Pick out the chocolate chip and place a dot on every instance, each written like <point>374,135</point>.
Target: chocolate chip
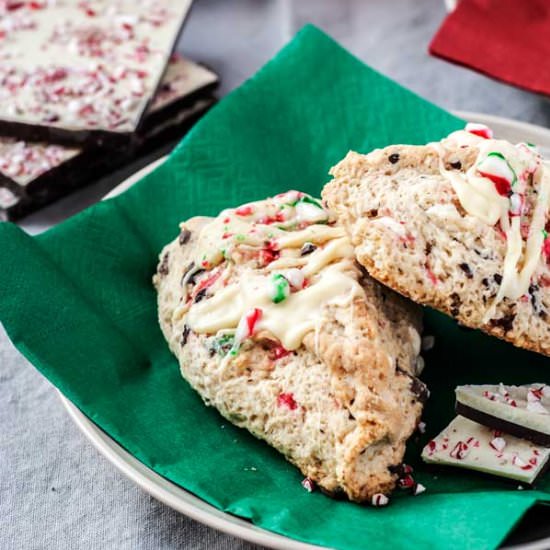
<point>184,335</point>
<point>307,248</point>
<point>201,294</point>
<point>485,282</point>
<point>393,158</point>
<point>506,322</point>
<point>400,470</point>
<point>467,270</point>
<point>533,289</point>
<point>350,416</point>
<point>184,237</point>
<point>373,213</point>
<point>456,302</point>
<point>419,389</point>
<point>457,165</point>
<point>163,266</point>
<point>497,278</point>
<point>186,272</point>
<point>190,274</point>
<point>428,248</point>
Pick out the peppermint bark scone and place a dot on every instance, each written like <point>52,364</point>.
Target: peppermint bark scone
<point>275,324</point>
<point>459,225</point>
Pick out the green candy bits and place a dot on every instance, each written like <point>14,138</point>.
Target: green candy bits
<point>280,288</point>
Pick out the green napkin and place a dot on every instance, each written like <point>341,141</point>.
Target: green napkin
<point>78,303</point>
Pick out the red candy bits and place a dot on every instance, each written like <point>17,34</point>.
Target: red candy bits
<point>287,400</point>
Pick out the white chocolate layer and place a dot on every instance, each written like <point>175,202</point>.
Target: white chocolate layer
<point>470,445</point>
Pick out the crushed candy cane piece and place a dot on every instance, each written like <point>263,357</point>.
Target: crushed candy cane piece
<point>279,289</point>
<point>496,168</point>
<point>406,482</point>
<point>308,484</point>
<point>498,443</point>
<point>460,450</point>
<point>379,500</point>
<point>295,277</point>
<point>287,400</point>
<point>479,130</point>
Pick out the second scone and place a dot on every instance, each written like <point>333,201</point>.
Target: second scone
<point>459,225</point>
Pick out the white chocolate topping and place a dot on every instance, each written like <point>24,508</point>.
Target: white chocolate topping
<point>289,321</point>
<point>290,288</point>
<point>494,190</point>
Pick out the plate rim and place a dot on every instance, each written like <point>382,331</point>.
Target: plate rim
<point>187,503</point>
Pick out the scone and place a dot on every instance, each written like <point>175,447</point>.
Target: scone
<point>460,225</point>
<point>275,324</point>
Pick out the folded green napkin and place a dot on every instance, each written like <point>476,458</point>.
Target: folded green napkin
<point>78,303</point>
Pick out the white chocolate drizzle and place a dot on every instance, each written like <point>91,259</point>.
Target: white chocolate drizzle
<point>278,227</point>
<point>482,198</point>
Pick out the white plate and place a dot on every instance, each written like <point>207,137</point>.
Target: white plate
<point>186,503</point>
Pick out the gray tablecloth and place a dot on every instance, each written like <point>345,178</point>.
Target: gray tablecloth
<point>56,491</point>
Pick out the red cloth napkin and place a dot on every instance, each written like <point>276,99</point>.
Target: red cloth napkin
<point>506,39</point>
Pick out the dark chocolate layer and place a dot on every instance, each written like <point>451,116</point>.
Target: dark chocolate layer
<point>159,116</point>
<point>62,136</point>
<point>502,425</point>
